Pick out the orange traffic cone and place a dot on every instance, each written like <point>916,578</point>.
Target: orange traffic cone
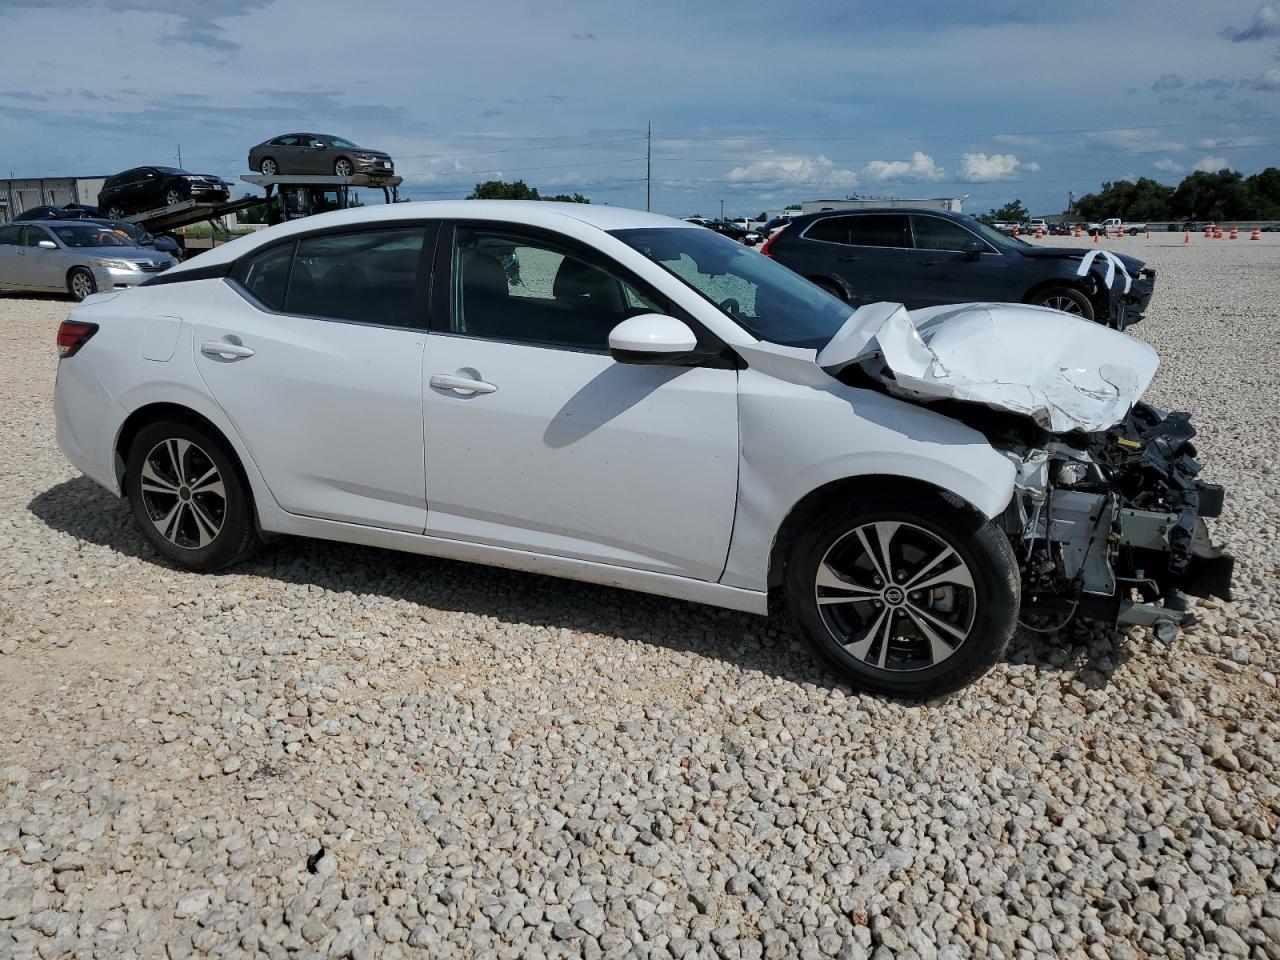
<point>1148,233</point>
<point>1208,232</point>
<point>1095,236</point>
<point>1257,234</point>
<point>1186,238</point>
<point>1217,233</point>
<point>1235,233</point>
<point>1015,230</point>
<point>1078,233</point>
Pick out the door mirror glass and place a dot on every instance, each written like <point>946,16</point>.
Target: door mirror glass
<point>974,249</point>
<point>651,338</point>
<point>47,245</point>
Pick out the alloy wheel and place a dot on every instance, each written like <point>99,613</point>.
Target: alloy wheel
<point>183,493</point>
<point>172,198</point>
<point>1065,304</point>
<point>896,596</point>
<point>268,168</point>
<point>343,168</point>
<point>81,284</point>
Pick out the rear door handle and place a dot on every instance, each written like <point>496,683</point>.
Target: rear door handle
<point>462,385</point>
<point>225,349</point>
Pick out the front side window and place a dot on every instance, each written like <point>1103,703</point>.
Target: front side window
<point>508,287</point>
<point>935,233</point>
<point>34,236</point>
<point>879,230</point>
<point>764,297</point>
<point>367,277</point>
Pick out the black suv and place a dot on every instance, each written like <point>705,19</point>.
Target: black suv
<point>148,188</point>
<point>924,258</point>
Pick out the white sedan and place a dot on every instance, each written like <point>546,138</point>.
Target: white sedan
<point>626,399</point>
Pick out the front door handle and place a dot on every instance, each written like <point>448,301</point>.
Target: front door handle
<point>225,349</point>
<point>848,258</point>
<point>462,385</point>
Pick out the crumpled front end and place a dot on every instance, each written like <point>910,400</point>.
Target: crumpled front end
<point>1110,525</point>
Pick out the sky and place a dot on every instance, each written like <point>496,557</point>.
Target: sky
<point>753,104</point>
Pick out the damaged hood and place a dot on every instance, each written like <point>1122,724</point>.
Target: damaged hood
<point>1063,372</point>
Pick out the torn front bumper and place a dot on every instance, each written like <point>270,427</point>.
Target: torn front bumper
<point>1131,306</point>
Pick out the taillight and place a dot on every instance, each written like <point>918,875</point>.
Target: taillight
<point>73,335</point>
<point>769,243</point>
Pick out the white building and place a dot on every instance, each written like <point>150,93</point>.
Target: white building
<point>951,204</point>
<point>24,193</point>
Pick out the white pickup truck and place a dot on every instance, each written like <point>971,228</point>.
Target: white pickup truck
<point>1116,225</point>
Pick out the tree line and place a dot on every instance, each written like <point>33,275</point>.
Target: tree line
<point>1224,195</point>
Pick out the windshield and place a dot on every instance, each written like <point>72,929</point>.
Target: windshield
<point>345,144</point>
<point>89,235</point>
<point>764,297</point>
<point>991,234</point>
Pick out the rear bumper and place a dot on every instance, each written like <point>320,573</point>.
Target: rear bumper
<point>87,419</point>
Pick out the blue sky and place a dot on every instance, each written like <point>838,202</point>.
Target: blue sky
<point>756,104</point>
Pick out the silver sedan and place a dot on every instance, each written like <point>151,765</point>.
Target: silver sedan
<point>73,256</point>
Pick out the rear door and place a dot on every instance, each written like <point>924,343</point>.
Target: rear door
<point>10,242</point>
<point>942,271</point>
<point>875,259</point>
<point>313,349</point>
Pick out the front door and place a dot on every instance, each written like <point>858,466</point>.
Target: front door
<point>10,242</point>
<point>536,439</point>
<point>942,271</point>
<point>313,350</point>
<point>42,267</point>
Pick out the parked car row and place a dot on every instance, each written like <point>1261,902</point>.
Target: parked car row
<point>690,419</point>
<point>925,258</point>
<point>730,229</point>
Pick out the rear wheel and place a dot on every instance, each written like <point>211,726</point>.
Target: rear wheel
<point>831,288</point>
<point>188,498</point>
<point>904,595</point>
<point>1066,299</point>
<point>268,167</point>
<point>80,283</point>
<point>342,167</point>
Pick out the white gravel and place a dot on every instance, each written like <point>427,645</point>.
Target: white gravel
<point>342,752</point>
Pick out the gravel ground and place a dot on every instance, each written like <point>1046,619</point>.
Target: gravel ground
<point>337,751</point>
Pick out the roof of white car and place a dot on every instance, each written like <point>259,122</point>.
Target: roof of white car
<point>534,213</point>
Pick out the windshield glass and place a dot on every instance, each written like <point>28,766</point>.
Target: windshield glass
<point>991,234</point>
<point>89,235</point>
<point>766,298</point>
<point>346,144</point>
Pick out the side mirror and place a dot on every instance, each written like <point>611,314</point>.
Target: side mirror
<point>47,245</point>
<point>973,249</point>
<point>651,338</point>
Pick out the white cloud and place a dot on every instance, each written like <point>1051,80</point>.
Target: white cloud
<point>921,167</point>
<point>1270,80</point>
<point>1265,23</point>
<point>1168,165</point>
<point>1128,140</point>
<point>1212,164</point>
<point>1031,166</point>
<point>796,171</point>
<point>981,167</point>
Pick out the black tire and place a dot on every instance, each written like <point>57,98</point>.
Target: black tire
<point>268,167</point>
<point>831,288</point>
<point>173,196</point>
<point>236,535</point>
<point>1133,231</point>
<point>1066,299</point>
<point>988,609</point>
<point>81,283</point>
<point>342,167</point>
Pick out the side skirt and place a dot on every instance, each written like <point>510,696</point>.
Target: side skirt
<point>643,581</point>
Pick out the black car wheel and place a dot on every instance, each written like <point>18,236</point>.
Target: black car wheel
<point>188,498</point>
<point>904,595</point>
<point>268,167</point>
<point>831,288</point>
<point>342,167</point>
<point>173,196</point>
<point>115,212</point>
<point>80,283</point>
<point>1066,299</point>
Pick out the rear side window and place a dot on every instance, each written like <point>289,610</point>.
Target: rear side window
<point>935,233</point>
<point>266,275</point>
<point>10,236</point>
<point>879,230</point>
<point>369,277</point>
<point>831,229</point>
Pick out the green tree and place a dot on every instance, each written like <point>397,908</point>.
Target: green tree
<point>1013,212</point>
<point>1131,201</point>
<point>518,190</point>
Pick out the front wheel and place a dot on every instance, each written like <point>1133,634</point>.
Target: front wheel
<point>80,283</point>
<point>342,167</point>
<point>904,595</point>
<point>115,213</point>
<point>188,498</point>
<point>173,197</point>
<point>1066,299</point>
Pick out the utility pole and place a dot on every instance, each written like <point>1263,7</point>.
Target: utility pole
<point>648,168</point>
<point>179,156</point>
<point>721,209</point>
<point>1071,200</point>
